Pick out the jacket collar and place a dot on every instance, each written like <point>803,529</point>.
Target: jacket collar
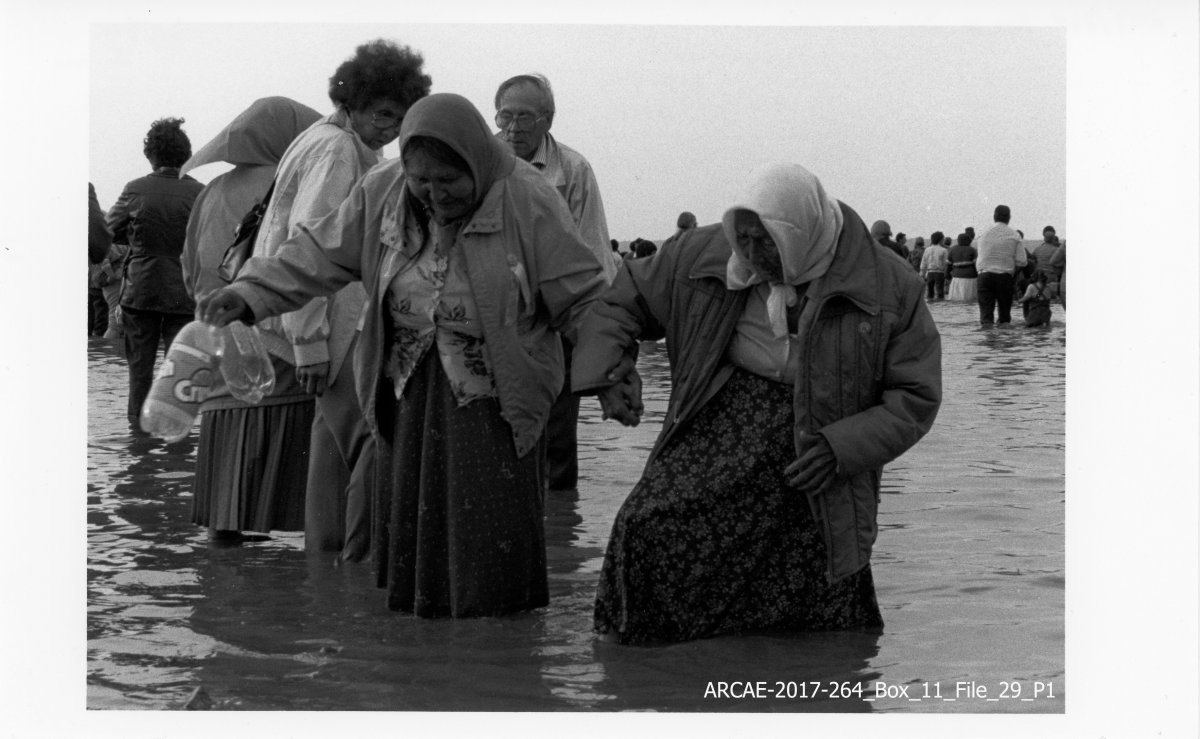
<point>367,157</point>
<point>853,273</point>
<point>488,216</point>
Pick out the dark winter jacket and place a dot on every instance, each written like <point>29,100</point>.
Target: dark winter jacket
<point>151,217</point>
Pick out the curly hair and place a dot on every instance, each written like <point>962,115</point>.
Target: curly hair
<point>379,69</point>
<point>166,145</point>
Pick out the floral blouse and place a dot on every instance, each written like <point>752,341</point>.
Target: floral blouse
<point>431,303</point>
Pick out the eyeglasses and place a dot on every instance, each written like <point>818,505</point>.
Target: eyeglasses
<point>521,122</point>
<point>384,121</point>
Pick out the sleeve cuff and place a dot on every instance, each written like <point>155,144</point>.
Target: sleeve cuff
<point>312,353</point>
<point>257,307</point>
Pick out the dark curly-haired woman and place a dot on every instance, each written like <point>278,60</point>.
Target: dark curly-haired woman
<point>371,92</point>
<point>151,218</point>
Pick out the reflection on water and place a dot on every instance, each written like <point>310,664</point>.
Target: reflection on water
<point>968,566</point>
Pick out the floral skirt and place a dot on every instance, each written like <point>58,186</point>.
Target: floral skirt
<point>713,540</point>
<point>464,534</point>
<point>252,460</point>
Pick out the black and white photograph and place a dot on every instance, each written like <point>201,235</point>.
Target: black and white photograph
<point>475,369</point>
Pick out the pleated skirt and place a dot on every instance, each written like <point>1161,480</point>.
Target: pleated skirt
<point>252,461</point>
<point>464,534</point>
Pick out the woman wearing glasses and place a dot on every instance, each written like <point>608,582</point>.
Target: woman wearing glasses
<point>371,92</point>
<point>472,266</point>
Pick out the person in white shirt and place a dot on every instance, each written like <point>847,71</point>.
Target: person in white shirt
<point>1000,254</point>
<point>524,114</point>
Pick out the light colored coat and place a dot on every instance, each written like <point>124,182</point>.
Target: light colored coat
<point>314,177</point>
<point>530,273</point>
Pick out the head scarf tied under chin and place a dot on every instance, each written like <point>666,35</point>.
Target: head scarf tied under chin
<point>454,121</point>
<point>258,136</point>
<point>803,222</point>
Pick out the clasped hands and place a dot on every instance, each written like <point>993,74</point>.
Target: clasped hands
<point>623,399</point>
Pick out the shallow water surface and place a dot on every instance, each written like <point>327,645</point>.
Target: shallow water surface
<point>969,570</point>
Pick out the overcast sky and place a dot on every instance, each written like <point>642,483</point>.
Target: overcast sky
<point>928,127</point>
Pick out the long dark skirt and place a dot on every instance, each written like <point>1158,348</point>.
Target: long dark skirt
<point>464,535</point>
<point>712,540</point>
<point>252,461</point>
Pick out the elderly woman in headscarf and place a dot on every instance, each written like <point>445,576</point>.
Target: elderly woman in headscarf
<point>471,264</point>
<point>251,460</point>
<point>803,359</point>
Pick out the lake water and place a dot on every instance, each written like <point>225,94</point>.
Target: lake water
<point>969,571</point>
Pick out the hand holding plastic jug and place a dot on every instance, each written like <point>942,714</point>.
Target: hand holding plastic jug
<point>245,363</point>
<point>202,361</point>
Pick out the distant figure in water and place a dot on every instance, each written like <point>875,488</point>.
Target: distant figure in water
<point>1035,303</point>
<point>803,359</point>
<point>643,248</point>
<point>918,250</point>
<point>685,222</point>
<point>881,231</point>
<point>1000,256</point>
<point>963,276</point>
<point>1058,260</point>
<point>933,271</point>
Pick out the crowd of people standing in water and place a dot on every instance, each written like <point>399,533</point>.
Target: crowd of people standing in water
<point>994,270</point>
<point>433,321</point>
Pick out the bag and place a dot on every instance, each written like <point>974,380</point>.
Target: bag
<point>243,239</point>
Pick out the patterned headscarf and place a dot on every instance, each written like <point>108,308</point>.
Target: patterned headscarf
<point>258,136</point>
<point>802,220</point>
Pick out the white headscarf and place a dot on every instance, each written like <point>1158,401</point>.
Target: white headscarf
<point>802,220</point>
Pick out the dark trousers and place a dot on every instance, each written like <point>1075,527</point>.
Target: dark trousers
<point>935,281</point>
<point>561,457</point>
<point>145,332</point>
<point>97,312</point>
<point>995,291</point>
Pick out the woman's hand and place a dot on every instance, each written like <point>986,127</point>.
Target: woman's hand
<point>815,466</point>
<point>623,399</point>
<point>314,377</point>
<point>222,307</point>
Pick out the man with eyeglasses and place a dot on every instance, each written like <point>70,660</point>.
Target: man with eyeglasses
<point>524,114</point>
